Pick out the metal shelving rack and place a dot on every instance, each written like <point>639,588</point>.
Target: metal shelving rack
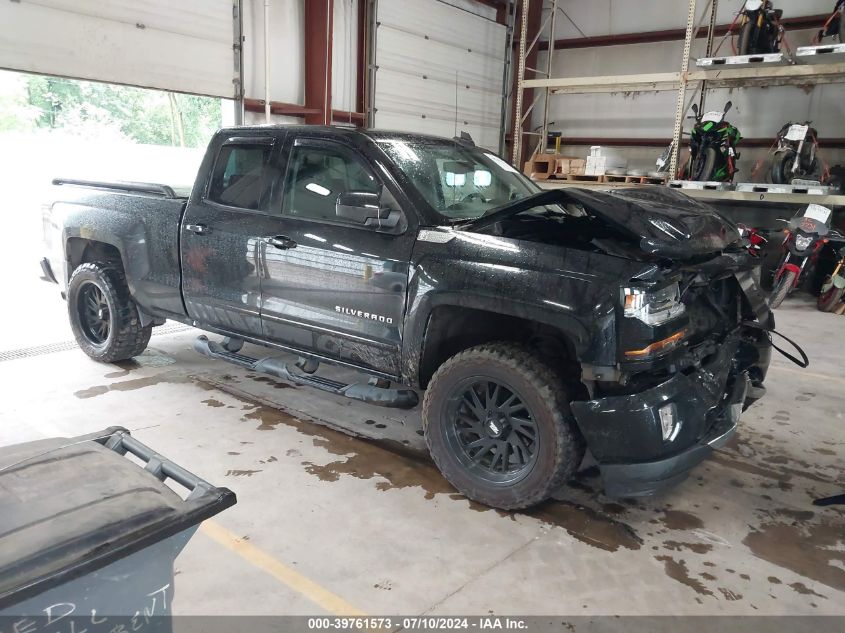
<point>700,80</point>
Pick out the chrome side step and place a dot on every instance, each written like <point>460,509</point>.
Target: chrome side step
<point>380,396</point>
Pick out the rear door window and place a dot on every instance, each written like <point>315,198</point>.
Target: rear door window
<point>243,177</point>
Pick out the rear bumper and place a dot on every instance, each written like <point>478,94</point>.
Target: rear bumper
<point>48,270</point>
<point>624,432</point>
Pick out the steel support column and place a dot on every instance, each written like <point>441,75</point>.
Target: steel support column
<point>680,108</point>
<point>528,20</point>
<point>319,16</point>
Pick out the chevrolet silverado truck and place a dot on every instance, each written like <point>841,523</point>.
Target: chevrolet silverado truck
<point>538,324</point>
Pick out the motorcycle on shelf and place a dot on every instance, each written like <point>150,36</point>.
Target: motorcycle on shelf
<point>760,30</point>
<point>713,143</point>
<point>795,156</point>
<point>806,235</point>
<point>833,26</point>
<point>833,288</point>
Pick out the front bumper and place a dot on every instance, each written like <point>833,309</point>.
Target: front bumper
<point>624,432</point>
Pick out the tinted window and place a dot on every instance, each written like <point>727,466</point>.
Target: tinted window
<point>316,176</point>
<point>242,177</point>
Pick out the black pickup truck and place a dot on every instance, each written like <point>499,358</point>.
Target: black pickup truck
<point>539,324</point>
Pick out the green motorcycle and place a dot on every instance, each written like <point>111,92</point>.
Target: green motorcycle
<point>713,143</point>
<point>833,287</point>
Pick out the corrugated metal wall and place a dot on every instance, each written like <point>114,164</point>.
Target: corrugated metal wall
<point>757,112</point>
<point>439,70</point>
<point>184,46</point>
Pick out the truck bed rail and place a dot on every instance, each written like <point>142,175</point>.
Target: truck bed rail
<point>152,188</point>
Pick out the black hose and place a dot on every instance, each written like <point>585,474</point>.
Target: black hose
<point>803,362</point>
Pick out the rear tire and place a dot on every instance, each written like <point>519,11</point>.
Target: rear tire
<point>782,288</point>
<point>498,426</point>
<point>103,316</point>
<point>782,166</point>
<point>828,301</point>
<point>705,163</point>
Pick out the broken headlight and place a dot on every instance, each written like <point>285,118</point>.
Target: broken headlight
<point>653,307</point>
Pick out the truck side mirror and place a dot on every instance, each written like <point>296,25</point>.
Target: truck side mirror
<point>365,208</point>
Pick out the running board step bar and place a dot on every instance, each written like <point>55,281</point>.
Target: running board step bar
<point>380,396</point>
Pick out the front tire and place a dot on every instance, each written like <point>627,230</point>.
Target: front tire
<point>745,38</point>
<point>103,317</point>
<point>705,163</point>
<point>782,288</point>
<point>498,426</point>
<point>782,168</point>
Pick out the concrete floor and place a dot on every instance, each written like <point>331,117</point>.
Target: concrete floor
<point>374,524</point>
<point>331,523</point>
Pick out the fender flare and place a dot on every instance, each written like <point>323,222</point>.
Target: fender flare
<point>416,335</point>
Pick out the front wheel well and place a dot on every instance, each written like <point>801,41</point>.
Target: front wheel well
<point>452,329</point>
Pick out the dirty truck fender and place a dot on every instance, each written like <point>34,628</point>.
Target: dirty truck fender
<point>572,303</point>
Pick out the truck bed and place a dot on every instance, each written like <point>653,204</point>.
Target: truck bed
<point>141,219</point>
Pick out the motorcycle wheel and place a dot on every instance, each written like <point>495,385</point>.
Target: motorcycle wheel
<point>830,299</point>
<point>703,165</point>
<point>781,167</point>
<point>782,288</point>
<point>745,39</point>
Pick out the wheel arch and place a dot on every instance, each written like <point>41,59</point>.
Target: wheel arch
<point>81,250</point>
<point>451,328</point>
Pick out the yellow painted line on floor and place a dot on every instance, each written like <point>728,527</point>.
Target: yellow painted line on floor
<point>807,374</point>
<point>259,558</point>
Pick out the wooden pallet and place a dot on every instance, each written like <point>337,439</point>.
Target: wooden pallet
<point>635,180</point>
<point>583,178</point>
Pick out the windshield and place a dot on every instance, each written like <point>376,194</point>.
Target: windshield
<point>458,181</point>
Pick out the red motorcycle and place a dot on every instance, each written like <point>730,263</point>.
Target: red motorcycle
<point>752,239</point>
<point>807,234</point>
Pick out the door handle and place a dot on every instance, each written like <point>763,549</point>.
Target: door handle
<point>281,241</point>
<point>199,229</point>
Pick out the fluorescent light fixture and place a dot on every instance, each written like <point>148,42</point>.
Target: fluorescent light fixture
<point>313,187</point>
<point>343,248</point>
<point>315,237</point>
<point>482,178</point>
<point>455,180</point>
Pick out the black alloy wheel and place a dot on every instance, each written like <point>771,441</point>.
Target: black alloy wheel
<point>491,430</point>
<point>94,313</point>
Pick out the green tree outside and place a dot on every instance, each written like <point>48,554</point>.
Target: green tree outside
<point>89,108</point>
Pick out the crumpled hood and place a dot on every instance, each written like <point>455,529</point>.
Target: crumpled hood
<point>664,221</point>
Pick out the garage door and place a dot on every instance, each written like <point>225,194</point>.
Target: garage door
<point>432,56</point>
<point>184,46</point>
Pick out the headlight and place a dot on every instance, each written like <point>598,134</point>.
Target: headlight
<point>653,307</point>
<point>802,242</point>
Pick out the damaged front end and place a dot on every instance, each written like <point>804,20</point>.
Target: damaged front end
<point>689,348</point>
<point>686,371</point>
